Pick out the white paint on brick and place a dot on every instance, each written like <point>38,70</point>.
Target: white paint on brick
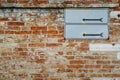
<point>52,40</point>
<point>56,1</point>
<point>118,55</point>
<point>114,14</point>
<point>104,47</point>
<point>1,36</point>
<point>8,45</point>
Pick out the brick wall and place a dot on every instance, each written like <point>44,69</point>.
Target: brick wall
<point>32,45</point>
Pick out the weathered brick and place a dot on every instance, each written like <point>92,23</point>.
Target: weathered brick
<point>9,28</point>
<point>92,66</point>
<point>36,45</point>
<point>39,28</point>
<point>51,28</point>
<point>6,53</point>
<point>68,2</point>
<point>50,32</point>
<point>95,75</point>
<point>103,62</point>
<point>21,49</point>
<point>41,61</point>
<point>10,1</point>
<point>109,66</point>
<point>16,23</point>
<point>116,62</point>
<point>111,75</point>
<point>22,32</point>
<point>78,62</point>
<point>52,44</point>
<point>3,19</point>
<point>22,1</point>
<point>35,32</point>
<point>75,66</point>
<point>9,32</point>
<point>69,57</point>
<point>41,1</point>
<point>1,32</point>
<point>92,57</point>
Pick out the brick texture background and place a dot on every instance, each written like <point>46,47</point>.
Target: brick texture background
<point>32,45</point>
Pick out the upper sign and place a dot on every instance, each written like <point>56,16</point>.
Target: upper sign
<point>86,15</point>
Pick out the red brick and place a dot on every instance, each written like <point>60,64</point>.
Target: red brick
<point>117,8</point>
<point>86,79</point>
<point>9,32</point>
<point>22,45</point>
<point>71,44</point>
<point>23,32</point>
<point>55,36</point>
<point>23,53</point>
<point>103,62</point>
<point>36,45</point>
<point>21,49</point>
<point>78,62</point>
<point>38,78</point>
<point>41,61</point>
<point>109,0</point>
<point>69,53</point>
<point>32,14</point>
<point>60,53</point>
<point>12,28</point>
<point>92,57</point>
<point>84,45</point>
<point>52,44</point>
<point>39,28</point>
<point>75,66</point>
<point>6,58</point>
<point>69,70</point>
<point>86,71</point>
<point>71,75</point>
<point>68,2</point>
<point>92,66</point>
<point>51,28</point>
<point>0,4</point>
<point>10,1</point>
<point>40,75</point>
<point>3,19</point>
<point>55,78</point>
<point>108,66</point>
<point>6,53</point>
<point>116,62</point>
<point>22,1</point>
<point>111,75</point>
<point>50,32</point>
<point>36,32</point>
<point>16,23</point>
<point>69,57</point>
<point>41,1</point>
<point>96,75</point>
<point>81,75</point>
<point>1,32</point>
<point>61,70</point>
<point>14,19</point>
<point>1,40</point>
<point>61,40</point>
<point>104,70</point>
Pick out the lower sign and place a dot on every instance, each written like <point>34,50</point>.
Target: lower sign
<point>104,47</point>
